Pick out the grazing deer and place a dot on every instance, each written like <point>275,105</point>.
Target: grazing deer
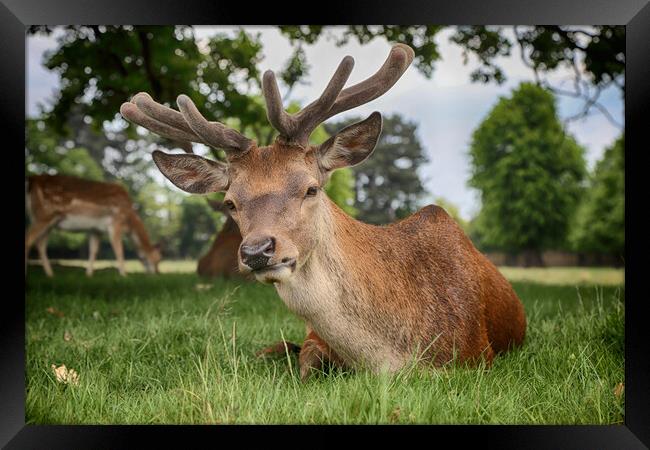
<point>371,296</point>
<point>75,204</point>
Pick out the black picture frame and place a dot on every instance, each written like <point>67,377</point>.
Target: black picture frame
<point>15,15</point>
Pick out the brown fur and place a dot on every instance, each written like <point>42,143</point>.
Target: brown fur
<point>221,259</point>
<point>53,198</point>
<point>418,285</point>
<point>370,296</point>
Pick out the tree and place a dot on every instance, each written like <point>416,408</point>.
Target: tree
<point>598,50</point>
<point>595,55</point>
<point>600,219</point>
<point>529,172</point>
<point>421,38</point>
<point>198,223</point>
<point>387,186</point>
<point>47,154</point>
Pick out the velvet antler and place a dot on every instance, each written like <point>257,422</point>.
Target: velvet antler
<point>298,127</point>
<point>188,125</point>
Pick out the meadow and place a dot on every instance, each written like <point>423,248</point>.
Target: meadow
<point>173,348</point>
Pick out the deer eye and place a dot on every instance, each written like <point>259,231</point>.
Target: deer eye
<point>312,191</point>
<point>230,205</point>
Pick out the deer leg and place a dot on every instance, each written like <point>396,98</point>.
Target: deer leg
<point>279,349</point>
<point>41,245</point>
<point>316,354</point>
<point>115,235</point>
<point>93,246</point>
<point>34,233</point>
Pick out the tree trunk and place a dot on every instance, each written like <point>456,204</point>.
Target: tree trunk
<point>221,259</point>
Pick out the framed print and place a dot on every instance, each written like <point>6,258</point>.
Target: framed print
<point>260,216</point>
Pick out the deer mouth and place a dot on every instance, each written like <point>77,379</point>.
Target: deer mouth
<point>276,273</point>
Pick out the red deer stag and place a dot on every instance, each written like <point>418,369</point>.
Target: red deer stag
<point>75,204</point>
<point>371,296</point>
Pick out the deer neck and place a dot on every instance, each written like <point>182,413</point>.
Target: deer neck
<point>326,278</point>
<point>337,290</point>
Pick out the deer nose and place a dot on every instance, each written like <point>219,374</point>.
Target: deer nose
<point>257,254</point>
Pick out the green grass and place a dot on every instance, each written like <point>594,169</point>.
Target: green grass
<point>172,349</point>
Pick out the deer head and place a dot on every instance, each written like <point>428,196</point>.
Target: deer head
<point>273,193</point>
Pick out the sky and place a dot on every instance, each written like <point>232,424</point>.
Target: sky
<point>447,107</point>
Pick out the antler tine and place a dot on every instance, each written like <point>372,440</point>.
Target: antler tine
<point>399,59</point>
<point>186,146</point>
<point>161,113</point>
<point>279,118</point>
<point>334,99</point>
<point>212,133</point>
<point>299,126</point>
<point>185,127</point>
<point>166,115</point>
<point>133,114</point>
<point>316,112</point>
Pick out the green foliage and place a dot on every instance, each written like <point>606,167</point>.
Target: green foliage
<point>198,223</point>
<point>529,172</point>
<point>340,188</point>
<point>103,66</point>
<point>600,219</point>
<point>160,210</point>
<point>594,55</point>
<point>387,184</point>
<point>45,154</point>
<point>601,48</point>
<point>420,37</point>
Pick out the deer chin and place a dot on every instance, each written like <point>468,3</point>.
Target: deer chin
<point>276,273</point>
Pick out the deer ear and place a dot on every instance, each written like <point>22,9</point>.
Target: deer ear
<point>350,146</point>
<point>193,173</point>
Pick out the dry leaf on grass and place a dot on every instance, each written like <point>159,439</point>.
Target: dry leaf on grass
<point>65,375</point>
<point>52,310</point>
<point>618,390</point>
<point>67,336</point>
<point>394,415</point>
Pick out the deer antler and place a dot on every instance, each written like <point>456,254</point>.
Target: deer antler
<point>188,125</point>
<point>298,127</point>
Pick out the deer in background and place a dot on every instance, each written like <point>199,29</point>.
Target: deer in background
<point>371,296</point>
<point>221,259</point>
<point>75,204</point>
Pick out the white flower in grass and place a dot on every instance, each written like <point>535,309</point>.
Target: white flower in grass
<point>65,375</point>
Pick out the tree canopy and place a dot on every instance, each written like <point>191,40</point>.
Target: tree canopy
<point>600,219</point>
<point>528,171</point>
<point>595,55</point>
